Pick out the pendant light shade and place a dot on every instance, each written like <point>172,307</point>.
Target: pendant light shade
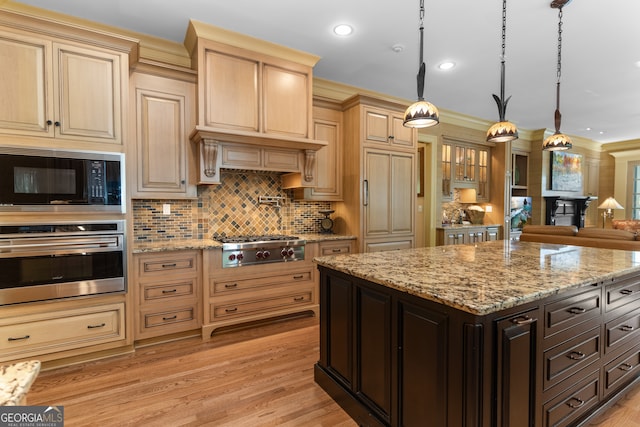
<point>502,131</point>
<point>558,141</point>
<point>421,114</point>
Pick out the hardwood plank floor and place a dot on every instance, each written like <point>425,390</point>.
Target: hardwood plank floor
<point>259,376</point>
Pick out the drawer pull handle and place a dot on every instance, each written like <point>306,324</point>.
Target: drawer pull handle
<point>626,328</point>
<point>336,251</point>
<point>298,298</point>
<point>576,355</point>
<point>523,320</point>
<point>576,405</point>
<point>231,310</point>
<point>169,265</point>
<point>172,291</point>
<point>231,285</point>
<point>174,317</point>
<point>577,310</point>
<point>298,276</point>
<point>627,292</point>
<point>626,367</point>
<point>101,325</point>
<point>26,337</point>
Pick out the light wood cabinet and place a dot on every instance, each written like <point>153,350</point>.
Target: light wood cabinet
<point>55,330</point>
<point>250,91</point>
<point>327,126</point>
<point>519,173</point>
<point>379,176</point>
<point>465,165</point>
<point>57,89</point>
<point>167,289</point>
<point>163,163</point>
<point>466,235</point>
<point>233,296</point>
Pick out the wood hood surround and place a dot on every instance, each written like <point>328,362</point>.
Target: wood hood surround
<point>254,106</point>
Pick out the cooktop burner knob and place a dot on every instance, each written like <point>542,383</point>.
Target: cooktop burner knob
<point>290,252</point>
<point>232,257</point>
<point>283,253</point>
<point>240,256</point>
<point>259,254</point>
<point>266,254</point>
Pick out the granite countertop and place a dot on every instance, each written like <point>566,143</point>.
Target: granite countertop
<point>16,380</point>
<point>487,277</point>
<point>197,244</point>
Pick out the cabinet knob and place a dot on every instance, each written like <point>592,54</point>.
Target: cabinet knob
<point>57,124</point>
<point>49,122</point>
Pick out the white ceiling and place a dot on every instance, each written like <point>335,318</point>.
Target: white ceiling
<point>600,52</point>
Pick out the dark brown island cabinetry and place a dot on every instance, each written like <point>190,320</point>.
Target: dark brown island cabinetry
<point>390,358</point>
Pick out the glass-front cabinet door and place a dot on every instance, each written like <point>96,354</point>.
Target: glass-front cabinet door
<point>447,191</point>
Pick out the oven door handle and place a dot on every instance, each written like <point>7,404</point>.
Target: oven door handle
<point>100,243</point>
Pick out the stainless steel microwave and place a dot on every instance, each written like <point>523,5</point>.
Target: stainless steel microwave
<point>59,180</point>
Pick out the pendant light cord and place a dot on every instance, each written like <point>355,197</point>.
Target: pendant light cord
<point>503,107</point>
<point>558,71</point>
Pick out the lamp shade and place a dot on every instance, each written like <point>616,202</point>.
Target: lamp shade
<point>610,203</point>
<point>502,132</point>
<point>421,114</point>
<point>556,142</point>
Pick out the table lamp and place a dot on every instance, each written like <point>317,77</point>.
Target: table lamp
<point>609,204</point>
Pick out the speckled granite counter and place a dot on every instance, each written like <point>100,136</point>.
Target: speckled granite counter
<point>490,276</point>
<point>450,226</point>
<point>16,380</point>
<point>190,244</point>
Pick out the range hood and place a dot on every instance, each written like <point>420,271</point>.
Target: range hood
<point>236,149</point>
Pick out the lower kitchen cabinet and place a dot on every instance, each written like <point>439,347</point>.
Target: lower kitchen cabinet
<point>393,359</point>
<point>57,330</point>
<point>167,293</point>
<point>466,235</point>
<point>237,295</point>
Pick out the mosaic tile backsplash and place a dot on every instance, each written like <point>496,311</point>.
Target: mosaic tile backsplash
<point>228,209</point>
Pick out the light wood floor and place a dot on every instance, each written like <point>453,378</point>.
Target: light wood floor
<point>261,376</point>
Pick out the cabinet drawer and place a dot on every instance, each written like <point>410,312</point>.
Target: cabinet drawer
<point>622,331</point>
<point>571,404</point>
<point>257,305</point>
<point>335,248</point>
<point>65,330</point>
<point>624,368</point>
<point>622,293</point>
<point>565,359</point>
<point>569,312</point>
<point>176,262</point>
<point>175,289</point>
<point>225,286</point>
<point>185,314</point>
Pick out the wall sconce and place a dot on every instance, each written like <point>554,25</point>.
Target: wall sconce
<point>609,205</point>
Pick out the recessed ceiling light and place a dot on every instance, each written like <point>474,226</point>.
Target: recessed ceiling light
<point>397,48</point>
<point>343,29</point>
<point>446,65</point>
<point>588,129</point>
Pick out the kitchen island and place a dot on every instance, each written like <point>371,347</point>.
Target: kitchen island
<point>494,334</point>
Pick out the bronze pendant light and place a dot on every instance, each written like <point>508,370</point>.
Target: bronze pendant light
<point>558,141</point>
<point>502,131</point>
<point>421,114</point>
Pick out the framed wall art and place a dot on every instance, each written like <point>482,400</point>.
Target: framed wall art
<point>566,171</point>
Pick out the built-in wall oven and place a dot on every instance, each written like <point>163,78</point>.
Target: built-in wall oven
<point>40,262</point>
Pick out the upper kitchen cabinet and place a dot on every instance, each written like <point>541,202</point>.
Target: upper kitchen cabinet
<point>386,128</point>
<point>465,165</point>
<point>61,81</point>
<point>327,126</point>
<point>162,158</point>
<point>379,177</point>
<point>255,94</point>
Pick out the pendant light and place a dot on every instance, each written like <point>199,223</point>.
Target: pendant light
<point>503,130</point>
<point>421,114</point>
<point>558,141</point>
